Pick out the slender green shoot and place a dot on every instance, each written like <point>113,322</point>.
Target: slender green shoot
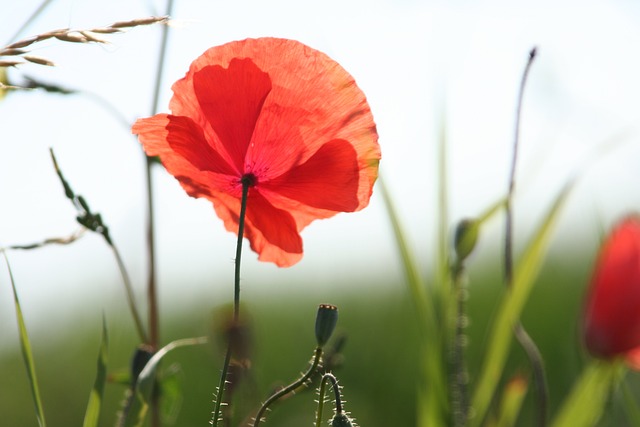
<point>511,307</point>
<point>433,390</point>
<point>93,221</point>
<point>92,415</point>
<point>27,353</point>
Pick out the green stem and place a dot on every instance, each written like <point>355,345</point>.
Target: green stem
<point>247,182</point>
<point>130,298</point>
<point>336,391</point>
<point>291,387</point>
<point>526,342</point>
<point>154,329</point>
<point>152,294</point>
<point>459,398</point>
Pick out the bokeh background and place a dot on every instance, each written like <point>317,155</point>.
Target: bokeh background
<point>428,68</point>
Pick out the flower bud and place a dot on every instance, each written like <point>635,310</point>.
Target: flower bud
<point>326,320</point>
<point>611,318</point>
<point>465,238</point>
<point>341,420</point>
<point>143,354</point>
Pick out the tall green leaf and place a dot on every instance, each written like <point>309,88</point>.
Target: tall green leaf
<point>432,386</point>
<point>92,415</point>
<point>586,403</point>
<point>511,307</point>
<point>27,354</point>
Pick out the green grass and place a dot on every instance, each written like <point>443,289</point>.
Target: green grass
<point>380,358</point>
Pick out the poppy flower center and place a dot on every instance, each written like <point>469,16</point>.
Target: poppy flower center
<point>249,179</point>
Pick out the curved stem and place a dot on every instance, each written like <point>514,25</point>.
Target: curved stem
<point>291,387</point>
<point>336,391</point>
<point>246,183</point>
<point>527,343</point>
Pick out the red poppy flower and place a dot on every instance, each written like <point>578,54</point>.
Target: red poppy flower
<point>611,320</point>
<point>283,115</point>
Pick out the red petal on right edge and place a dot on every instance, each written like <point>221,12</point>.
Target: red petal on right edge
<point>327,180</point>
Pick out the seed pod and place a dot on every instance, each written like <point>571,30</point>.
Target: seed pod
<point>326,321</point>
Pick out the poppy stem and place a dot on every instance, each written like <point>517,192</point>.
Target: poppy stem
<point>328,377</point>
<point>246,183</point>
<point>291,388</point>
<point>521,334</point>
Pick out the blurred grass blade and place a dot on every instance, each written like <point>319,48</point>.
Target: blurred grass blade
<point>136,415</point>
<point>631,405</point>
<point>514,393</point>
<point>27,354</point>
<point>92,415</point>
<point>443,279</point>
<point>511,307</point>
<point>432,391</point>
<point>589,396</point>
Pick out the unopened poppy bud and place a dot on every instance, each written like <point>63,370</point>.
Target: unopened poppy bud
<point>341,420</point>
<point>139,360</point>
<point>611,319</point>
<point>326,320</point>
<point>465,238</point>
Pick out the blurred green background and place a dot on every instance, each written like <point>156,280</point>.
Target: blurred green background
<point>380,364</point>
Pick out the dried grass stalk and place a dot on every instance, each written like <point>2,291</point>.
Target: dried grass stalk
<point>16,49</point>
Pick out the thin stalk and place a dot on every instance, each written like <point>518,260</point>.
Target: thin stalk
<point>291,387</point>
<point>130,298</point>
<point>152,295</point>
<point>154,333</point>
<point>459,395</point>
<point>247,181</point>
<point>527,343</point>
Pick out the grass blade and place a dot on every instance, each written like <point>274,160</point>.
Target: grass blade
<point>92,415</point>
<point>585,405</point>
<point>511,307</point>
<point>27,354</point>
<point>432,388</point>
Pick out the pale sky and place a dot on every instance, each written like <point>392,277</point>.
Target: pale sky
<point>418,63</point>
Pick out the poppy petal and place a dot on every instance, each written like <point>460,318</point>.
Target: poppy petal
<point>271,232</point>
<point>164,135</point>
<point>231,100</point>
<point>187,140</point>
<point>327,180</point>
